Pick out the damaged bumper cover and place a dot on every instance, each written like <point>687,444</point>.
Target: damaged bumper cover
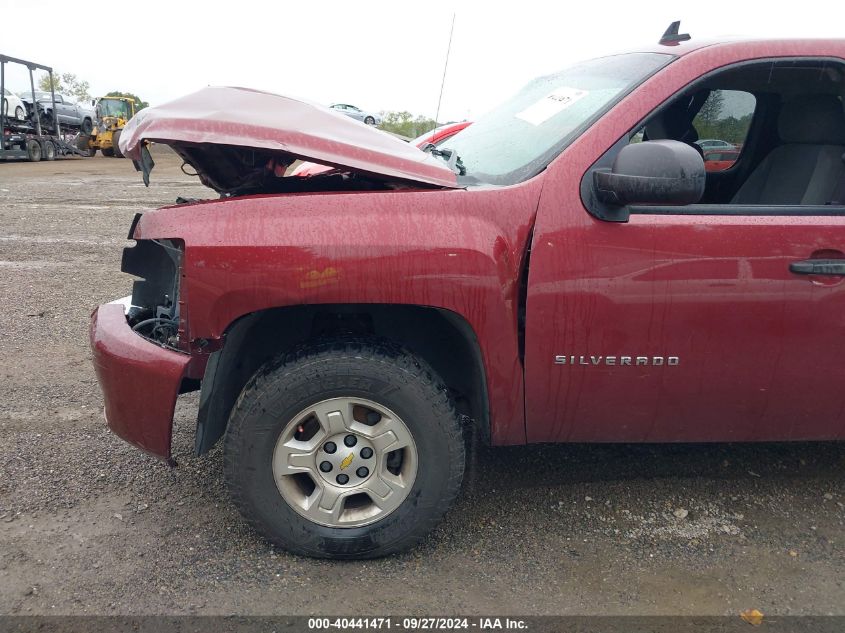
<point>140,380</point>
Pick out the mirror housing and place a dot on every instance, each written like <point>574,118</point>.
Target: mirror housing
<point>653,172</point>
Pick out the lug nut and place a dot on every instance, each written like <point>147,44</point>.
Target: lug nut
<point>326,467</point>
<point>342,479</point>
<point>330,447</point>
<point>366,452</point>
<point>362,472</point>
<point>350,440</point>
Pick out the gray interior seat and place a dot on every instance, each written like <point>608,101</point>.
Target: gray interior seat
<point>807,168</point>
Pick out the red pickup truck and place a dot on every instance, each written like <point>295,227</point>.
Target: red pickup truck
<point>564,270</point>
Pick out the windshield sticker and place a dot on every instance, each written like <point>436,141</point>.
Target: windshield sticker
<point>556,101</point>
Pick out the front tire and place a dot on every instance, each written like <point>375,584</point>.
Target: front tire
<point>370,120</point>
<point>115,139</point>
<point>19,113</point>
<point>345,449</point>
<point>87,127</point>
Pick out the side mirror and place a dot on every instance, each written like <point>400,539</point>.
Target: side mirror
<point>653,172</point>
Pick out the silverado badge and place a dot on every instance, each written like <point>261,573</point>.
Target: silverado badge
<point>653,361</point>
<point>347,460</point>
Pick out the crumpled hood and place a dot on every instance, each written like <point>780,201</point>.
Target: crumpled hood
<point>251,119</point>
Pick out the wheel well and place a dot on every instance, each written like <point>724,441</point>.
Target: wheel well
<point>442,338</point>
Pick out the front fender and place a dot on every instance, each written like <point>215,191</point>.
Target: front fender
<point>459,250</point>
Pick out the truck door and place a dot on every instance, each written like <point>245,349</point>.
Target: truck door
<point>712,322</point>
<point>61,110</point>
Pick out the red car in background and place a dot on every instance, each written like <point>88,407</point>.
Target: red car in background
<point>440,134</point>
<point>435,137</point>
<point>720,159</point>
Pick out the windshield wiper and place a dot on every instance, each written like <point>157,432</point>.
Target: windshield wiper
<point>453,161</point>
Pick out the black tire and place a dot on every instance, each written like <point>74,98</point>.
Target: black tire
<point>48,151</point>
<point>358,368</point>
<point>87,127</point>
<point>114,142</point>
<point>19,113</point>
<point>107,151</point>
<point>370,120</point>
<point>83,144</point>
<point>33,150</point>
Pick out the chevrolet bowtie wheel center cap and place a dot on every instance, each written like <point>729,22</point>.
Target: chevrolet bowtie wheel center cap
<point>346,459</point>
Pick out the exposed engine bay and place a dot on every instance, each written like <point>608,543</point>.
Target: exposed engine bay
<point>241,141</point>
<point>154,309</point>
<point>238,171</point>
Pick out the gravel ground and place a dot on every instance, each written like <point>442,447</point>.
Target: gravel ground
<point>89,525</point>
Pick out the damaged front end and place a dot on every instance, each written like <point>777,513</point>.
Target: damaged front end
<point>154,310</point>
<point>238,142</point>
<point>241,171</point>
<point>140,348</point>
<point>241,142</point>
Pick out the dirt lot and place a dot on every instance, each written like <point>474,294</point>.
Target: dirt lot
<point>89,525</point>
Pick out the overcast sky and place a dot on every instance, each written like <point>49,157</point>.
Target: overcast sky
<point>377,55</point>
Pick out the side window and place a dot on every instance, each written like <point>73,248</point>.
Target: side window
<point>722,125</point>
<point>791,163</point>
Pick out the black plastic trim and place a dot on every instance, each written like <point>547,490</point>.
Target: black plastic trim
<point>132,226</point>
<point>740,209</point>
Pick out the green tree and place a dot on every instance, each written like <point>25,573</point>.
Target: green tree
<point>67,84</point>
<point>712,108</point>
<point>140,104</point>
<point>406,124</point>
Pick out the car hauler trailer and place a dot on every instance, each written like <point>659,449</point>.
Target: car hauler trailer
<point>32,138</point>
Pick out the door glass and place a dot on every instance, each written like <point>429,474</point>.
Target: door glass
<point>722,126</point>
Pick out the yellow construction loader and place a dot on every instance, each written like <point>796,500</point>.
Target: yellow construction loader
<point>112,115</point>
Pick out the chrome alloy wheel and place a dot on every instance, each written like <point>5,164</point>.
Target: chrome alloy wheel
<point>345,462</point>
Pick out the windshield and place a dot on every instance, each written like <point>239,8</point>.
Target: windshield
<point>519,138</point>
<point>114,107</point>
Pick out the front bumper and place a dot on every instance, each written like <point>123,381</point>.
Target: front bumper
<point>140,381</point>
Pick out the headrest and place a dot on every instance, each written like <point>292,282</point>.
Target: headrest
<point>814,119</point>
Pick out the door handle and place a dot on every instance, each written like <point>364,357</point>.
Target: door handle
<point>818,267</point>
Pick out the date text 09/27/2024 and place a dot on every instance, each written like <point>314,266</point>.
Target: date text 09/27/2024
<point>417,623</point>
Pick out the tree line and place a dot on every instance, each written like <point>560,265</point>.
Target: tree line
<point>406,124</point>
<point>403,123</point>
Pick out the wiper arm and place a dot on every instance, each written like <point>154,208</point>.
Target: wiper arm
<point>453,161</point>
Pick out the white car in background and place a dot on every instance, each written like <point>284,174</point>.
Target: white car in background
<point>713,143</point>
<point>13,106</point>
<point>370,118</point>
